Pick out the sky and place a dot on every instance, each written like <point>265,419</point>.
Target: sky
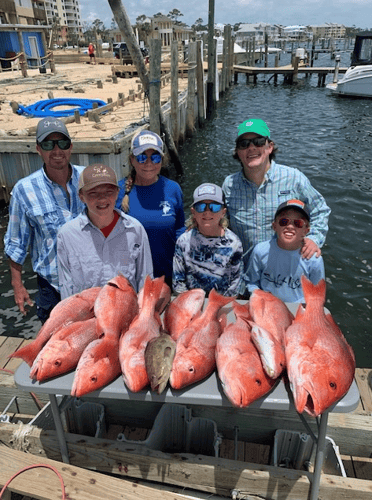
<point>284,12</point>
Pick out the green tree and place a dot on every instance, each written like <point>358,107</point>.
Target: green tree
<point>199,26</point>
<point>174,15</point>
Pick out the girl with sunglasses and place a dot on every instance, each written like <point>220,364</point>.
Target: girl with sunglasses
<point>208,255</point>
<point>154,200</point>
<point>276,265</point>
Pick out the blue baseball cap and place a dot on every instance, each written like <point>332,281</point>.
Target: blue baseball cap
<point>145,140</point>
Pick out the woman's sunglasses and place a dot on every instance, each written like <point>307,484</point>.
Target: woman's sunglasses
<point>256,141</point>
<point>155,158</point>
<point>49,145</point>
<point>201,207</point>
<point>299,223</point>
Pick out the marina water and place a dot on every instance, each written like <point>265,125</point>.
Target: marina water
<point>329,139</point>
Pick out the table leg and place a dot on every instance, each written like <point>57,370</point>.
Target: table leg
<point>319,456</point>
<point>59,428</point>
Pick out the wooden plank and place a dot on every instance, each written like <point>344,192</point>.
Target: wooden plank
<point>79,483</point>
<point>7,348</point>
<point>257,453</point>
<point>363,377</point>
<point>363,468</point>
<point>208,474</point>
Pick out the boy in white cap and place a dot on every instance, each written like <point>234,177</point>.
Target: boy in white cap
<point>101,242</point>
<point>276,265</point>
<point>40,204</point>
<point>208,255</point>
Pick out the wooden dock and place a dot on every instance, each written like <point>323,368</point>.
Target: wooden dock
<point>289,72</point>
<point>243,465</point>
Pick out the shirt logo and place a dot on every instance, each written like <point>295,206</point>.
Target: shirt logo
<point>166,207</point>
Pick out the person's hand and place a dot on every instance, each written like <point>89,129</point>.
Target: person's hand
<point>309,247</point>
<point>21,297</point>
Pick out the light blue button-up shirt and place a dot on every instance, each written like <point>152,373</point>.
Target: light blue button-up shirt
<point>38,208</point>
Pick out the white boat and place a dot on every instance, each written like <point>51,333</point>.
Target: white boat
<point>357,81</point>
<point>240,54</point>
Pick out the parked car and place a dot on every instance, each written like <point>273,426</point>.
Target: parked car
<point>127,58</point>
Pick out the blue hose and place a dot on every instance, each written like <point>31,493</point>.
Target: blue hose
<point>45,108</point>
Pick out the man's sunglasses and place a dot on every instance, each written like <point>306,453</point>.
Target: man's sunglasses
<point>299,223</point>
<point>256,141</point>
<point>155,158</point>
<point>49,145</point>
<point>201,207</point>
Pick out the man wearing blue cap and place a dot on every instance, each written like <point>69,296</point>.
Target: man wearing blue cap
<point>40,204</point>
<point>253,195</point>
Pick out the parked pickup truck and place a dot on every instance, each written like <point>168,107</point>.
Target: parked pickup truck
<point>127,58</point>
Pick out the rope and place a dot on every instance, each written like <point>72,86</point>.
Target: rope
<point>11,58</point>
<point>46,107</point>
<point>33,467</point>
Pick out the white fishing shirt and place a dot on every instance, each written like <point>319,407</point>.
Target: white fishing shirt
<point>86,258</point>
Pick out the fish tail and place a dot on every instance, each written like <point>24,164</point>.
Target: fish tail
<point>152,290</point>
<point>28,353</point>
<point>312,291</point>
<point>241,311</point>
<point>219,299</point>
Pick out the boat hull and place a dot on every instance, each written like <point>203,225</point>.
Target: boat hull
<point>357,81</point>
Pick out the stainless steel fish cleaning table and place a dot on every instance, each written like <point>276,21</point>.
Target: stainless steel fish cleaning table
<point>207,392</point>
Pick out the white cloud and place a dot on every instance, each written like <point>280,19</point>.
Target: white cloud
<point>286,12</point>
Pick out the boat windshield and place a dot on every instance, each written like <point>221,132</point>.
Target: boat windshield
<point>362,51</point>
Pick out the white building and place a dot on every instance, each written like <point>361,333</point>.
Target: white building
<point>68,13</point>
<point>257,31</point>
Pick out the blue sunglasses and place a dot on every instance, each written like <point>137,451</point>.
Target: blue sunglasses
<point>155,158</point>
<point>201,207</point>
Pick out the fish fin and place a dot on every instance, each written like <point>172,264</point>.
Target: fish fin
<point>312,291</point>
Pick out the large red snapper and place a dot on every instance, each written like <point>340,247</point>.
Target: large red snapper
<point>182,310</point>
<point>145,327</point>
<point>195,350</point>
<point>238,362</point>
<point>271,317</point>
<point>164,298</point>
<point>62,352</point>
<point>115,307</point>
<point>98,366</point>
<point>78,307</point>
<point>320,362</point>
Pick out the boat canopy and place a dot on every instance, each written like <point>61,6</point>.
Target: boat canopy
<point>362,53</point>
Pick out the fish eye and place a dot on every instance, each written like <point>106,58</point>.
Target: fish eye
<point>191,369</point>
<point>57,363</point>
<point>258,381</point>
<point>333,385</point>
<point>93,379</point>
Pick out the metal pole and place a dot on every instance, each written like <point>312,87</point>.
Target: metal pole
<point>211,82</point>
<point>337,67</point>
